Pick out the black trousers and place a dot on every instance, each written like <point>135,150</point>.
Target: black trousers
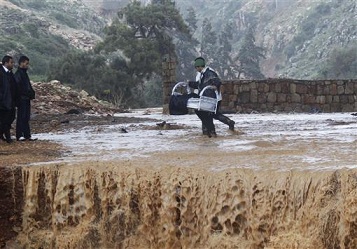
<point>219,116</point>
<point>23,119</point>
<point>6,119</point>
<point>207,119</point>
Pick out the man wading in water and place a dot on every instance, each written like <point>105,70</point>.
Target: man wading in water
<point>207,76</point>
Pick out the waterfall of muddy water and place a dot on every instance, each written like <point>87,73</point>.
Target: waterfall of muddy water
<point>282,181</point>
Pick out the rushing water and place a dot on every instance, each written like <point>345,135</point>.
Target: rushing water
<point>281,181</point>
<point>279,141</point>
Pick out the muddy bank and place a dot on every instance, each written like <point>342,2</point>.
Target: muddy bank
<point>47,149</point>
<point>24,153</point>
<point>123,205</point>
<point>69,123</point>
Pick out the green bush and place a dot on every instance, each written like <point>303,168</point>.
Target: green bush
<point>66,20</point>
<point>308,28</point>
<point>32,29</point>
<point>341,64</point>
<point>16,2</point>
<point>323,9</point>
<point>37,4</point>
<point>106,77</point>
<point>6,45</point>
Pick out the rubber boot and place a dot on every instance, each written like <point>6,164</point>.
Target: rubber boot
<point>226,120</point>
<point>212,134</point>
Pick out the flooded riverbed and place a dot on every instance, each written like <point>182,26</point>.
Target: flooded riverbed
<point>262,141</point>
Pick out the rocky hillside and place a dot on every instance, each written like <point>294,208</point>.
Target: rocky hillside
<point>299,35</point>
<point>300,38</point>
<point>74,21</point>
<point>44,29</point>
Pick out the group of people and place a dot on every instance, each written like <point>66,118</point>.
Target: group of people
<point>206,76</point>
<point>16,93</point>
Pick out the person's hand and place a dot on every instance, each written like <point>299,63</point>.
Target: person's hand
<point>213,87</point>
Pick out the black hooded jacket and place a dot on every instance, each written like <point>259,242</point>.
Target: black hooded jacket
<point>208,78</point>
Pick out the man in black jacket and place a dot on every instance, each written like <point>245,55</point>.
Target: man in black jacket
<point>25,95</point>
<point>7,98</point>
<point>207,76</point>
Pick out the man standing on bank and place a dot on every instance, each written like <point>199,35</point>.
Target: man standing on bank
<point>25,95</point>
<point>7,98</point>
<point>207,76</point>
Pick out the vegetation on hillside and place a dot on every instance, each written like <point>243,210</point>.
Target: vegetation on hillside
<point>31,39</point>
<point>128,61</point>
<point>31,29</point>
<point>342,63</point>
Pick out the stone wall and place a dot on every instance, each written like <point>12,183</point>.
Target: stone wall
<point>284,95</point>
<point>168,79</point>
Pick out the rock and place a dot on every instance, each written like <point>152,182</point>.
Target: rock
<point>123,130</point>
<point>54,97</point>
<point>74,111</point>
<point>66,121</point>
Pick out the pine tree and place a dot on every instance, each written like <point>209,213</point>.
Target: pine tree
<point>223,62</point>
<point>143,35</point>
<point>191,19</point>
<point>249,56</point>
<point>186,48</point>
<point>208,41</point>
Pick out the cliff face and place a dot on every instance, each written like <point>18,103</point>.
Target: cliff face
<point>124,206</point>
<point>298,35</point>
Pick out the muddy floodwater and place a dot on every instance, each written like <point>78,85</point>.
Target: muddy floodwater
<point>261,141</point>
<point>279,181</point>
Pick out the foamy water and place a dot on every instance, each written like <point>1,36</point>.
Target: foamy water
<point>324,141</point>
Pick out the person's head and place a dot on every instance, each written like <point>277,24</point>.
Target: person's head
<point>24,62</point>
<point>200,64</point>
<point>8,62</point>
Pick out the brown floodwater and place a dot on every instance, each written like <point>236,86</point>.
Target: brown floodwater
<point>261,141</point>
<point>279,181</point>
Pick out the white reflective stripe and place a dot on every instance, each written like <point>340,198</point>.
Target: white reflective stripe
<point>219,96</point>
